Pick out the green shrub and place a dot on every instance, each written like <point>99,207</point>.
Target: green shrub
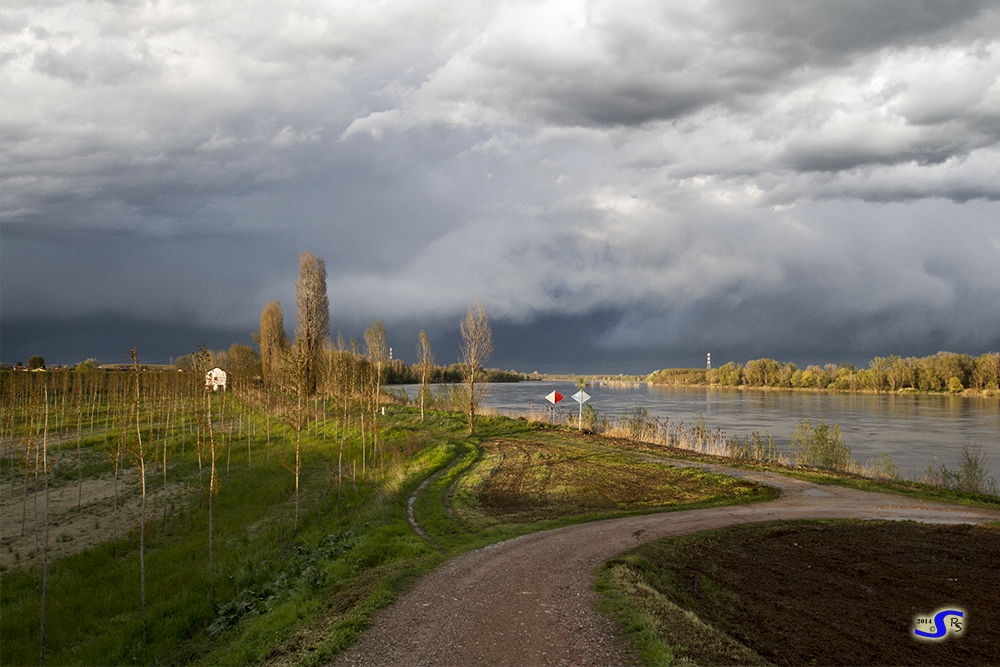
<point>971,475</point>
<point>819,447</point>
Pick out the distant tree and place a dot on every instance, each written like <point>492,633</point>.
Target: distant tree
<point>425,365</point>
<point>763,373</point>
<point>876,374</point>
<point>35,362</point>
<point>987,371</point>
<point>897,372</point>
<point>86,366</point>
<point>477,347</point>
<point>185,362</point>
<point>731,375</point>
<point>314,317</point>
<point>273,342</point>
<point>243,360</point>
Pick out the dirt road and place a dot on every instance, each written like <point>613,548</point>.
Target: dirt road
<point>528,601</point>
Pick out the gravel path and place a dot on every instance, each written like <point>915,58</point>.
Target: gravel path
<point>527,601</point>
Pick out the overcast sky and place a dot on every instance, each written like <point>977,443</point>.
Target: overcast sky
<point>626,185</point>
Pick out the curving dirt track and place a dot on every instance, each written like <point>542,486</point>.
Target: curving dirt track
<point>528,601</point>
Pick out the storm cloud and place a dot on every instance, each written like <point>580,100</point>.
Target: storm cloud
<point>625,185</point>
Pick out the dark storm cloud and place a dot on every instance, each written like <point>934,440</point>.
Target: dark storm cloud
<point>637,180</point>
<point>818,31</point>
<point>108,338</point>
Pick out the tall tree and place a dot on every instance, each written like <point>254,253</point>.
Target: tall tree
<point>314,316</point>
<point>477,347</point>
<point>425,363</point>
<point>377,345</point>
<point>273,342</point>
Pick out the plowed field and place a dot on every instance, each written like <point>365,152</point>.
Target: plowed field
<point>836,593</point>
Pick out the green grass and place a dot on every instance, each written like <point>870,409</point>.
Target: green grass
<point>298,596</point>
<point>92,607</point>
<point>659,631</point>
<point>281,595</point>
<point>916,490</point>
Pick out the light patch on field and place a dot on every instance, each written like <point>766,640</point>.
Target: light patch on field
<point>22,514</point>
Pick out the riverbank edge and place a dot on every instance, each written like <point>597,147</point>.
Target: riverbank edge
<point>965,393</point>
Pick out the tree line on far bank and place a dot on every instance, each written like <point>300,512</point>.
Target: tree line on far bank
<point>942,372</point>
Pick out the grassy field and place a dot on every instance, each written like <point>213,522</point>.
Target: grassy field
<point>294,581</point>
<point>293,577</point>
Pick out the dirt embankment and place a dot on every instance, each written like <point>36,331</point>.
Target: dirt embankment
<point>528,601</point>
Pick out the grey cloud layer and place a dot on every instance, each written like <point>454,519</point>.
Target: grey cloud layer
<point>706,169</point>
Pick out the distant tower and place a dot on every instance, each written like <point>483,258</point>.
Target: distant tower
<point>709,366</point>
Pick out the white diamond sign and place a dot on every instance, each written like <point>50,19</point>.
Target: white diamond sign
<point>581,397</point>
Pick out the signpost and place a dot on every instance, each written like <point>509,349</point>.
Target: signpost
<point>554,397</point>
<point>581,397</point>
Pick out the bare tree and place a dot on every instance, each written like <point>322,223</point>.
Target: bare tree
<point>314,316</point>
<point>140,458</point>
<point>45,550</point>
<point>377,345</point>
<point>273,342</point>
<point>477,347</point>
<point>300,362</point>
<point>425,363</point>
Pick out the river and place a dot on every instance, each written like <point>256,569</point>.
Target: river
<point>917,430</point>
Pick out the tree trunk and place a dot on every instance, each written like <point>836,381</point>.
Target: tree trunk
<point>45,548</point>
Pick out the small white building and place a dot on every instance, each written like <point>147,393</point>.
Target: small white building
<point>216,378</point>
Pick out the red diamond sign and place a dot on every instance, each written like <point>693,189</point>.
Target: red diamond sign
<point>554,397</point>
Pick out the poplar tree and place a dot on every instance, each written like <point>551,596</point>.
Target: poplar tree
<point>377,345</point>
<point>314,317</point>
<point>477,347</point>
<point>273,342</point>
<point>425,362</point>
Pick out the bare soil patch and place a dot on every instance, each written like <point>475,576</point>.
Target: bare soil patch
<point>79,518</point>
<point>837,594</point>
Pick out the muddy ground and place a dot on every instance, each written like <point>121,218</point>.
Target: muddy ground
<point>840,594</point>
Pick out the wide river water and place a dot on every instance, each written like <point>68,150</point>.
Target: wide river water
<point>917,430</point>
